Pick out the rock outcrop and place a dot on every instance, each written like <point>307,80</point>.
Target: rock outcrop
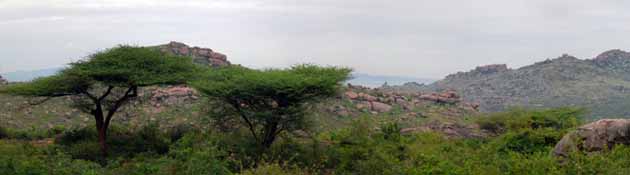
<point>448,97</point>
<point>593,137</point>
<point>203,56</point>
<point>382,101</point>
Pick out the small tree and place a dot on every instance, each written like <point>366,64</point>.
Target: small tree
<point>269,102</point>
<point>101,84</point>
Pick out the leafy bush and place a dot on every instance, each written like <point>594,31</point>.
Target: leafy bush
<point>529,141</point>
<point>516,119</point>
<point>82,143</point>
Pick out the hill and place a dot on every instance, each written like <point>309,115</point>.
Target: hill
<point>601,84</point>
<point>176,105</point>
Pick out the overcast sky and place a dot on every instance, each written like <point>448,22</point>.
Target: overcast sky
<point>417,38</point>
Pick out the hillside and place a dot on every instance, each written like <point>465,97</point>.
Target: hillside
<point>601,85</point>
<point>175,105</point>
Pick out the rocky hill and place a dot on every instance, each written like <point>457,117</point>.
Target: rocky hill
<point>601,84</point>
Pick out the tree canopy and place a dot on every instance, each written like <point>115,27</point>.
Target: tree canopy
<point>122,66</point>
<point>271,101</point>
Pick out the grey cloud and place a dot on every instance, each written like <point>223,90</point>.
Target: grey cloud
<point>418,38</point>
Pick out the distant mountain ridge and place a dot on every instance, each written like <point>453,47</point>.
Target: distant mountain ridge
<point>28,75</point>
<point>371,80</point>
<point>601,84</point>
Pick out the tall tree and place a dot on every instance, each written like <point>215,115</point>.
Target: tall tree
<point>269,102</point>
<point>105,81</point>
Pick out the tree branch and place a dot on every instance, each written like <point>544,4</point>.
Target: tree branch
<point>109,90</point>
<point>131,92</point>
<point>237,106</point>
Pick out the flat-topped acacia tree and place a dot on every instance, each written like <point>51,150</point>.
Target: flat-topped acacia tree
<point>105,81</point>
<point>269,102</point>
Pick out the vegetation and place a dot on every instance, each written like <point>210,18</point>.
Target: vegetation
<point>367,147</point>
<point>107,80</point>
<point>270,102</point>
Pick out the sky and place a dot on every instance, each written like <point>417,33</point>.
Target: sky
<point>413,38</point>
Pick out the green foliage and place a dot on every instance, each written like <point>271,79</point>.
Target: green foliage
<point>364,150</point>
<point>367,147</point>
<point>22,158</point>
<point>275,169</point>
<point>516,119</point>
<point>200,156</point>
<point>529,141</point>
<point>269,102</point>
<point>29,134</point>
<point>82,143</point>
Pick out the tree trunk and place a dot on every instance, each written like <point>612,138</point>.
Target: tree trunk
<point>102,140</point>
<point>101,128</point>
<point>269,135</point>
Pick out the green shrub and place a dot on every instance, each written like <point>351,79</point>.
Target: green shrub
<point>82,143</point>
<point>275,169</point>
<point>4,133</point>
<point>199,154</point>
<point>529,141</point>
<point>516,119</point>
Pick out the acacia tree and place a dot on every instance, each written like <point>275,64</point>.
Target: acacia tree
<point>269,102</point>
<point>101,84</point>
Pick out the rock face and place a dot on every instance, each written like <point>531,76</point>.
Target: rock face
<point>203,56</point>
<point>3,81</point>
<point>597,136</point>
<point>601,84</point>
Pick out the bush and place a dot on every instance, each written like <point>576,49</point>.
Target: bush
<point>529,141</point>
<point>517,119</point>
<point>4,133</point>
<point>82,143</point>
<point>22,158</point>
<point>199,154</point>
<point>275,169</point>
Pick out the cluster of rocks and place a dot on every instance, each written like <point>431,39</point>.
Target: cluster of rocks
<point>367,101</point>
<point>203,56</point>
<point>594,137</point>
<point>448,97</point>
<point>3,81</point>
<point>383,102</point>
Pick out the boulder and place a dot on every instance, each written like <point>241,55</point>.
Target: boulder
<point>380,107</point>
<point>367,97</point>
<point>351,95</point>
<point>363,105</point>
<point>593,137</point>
